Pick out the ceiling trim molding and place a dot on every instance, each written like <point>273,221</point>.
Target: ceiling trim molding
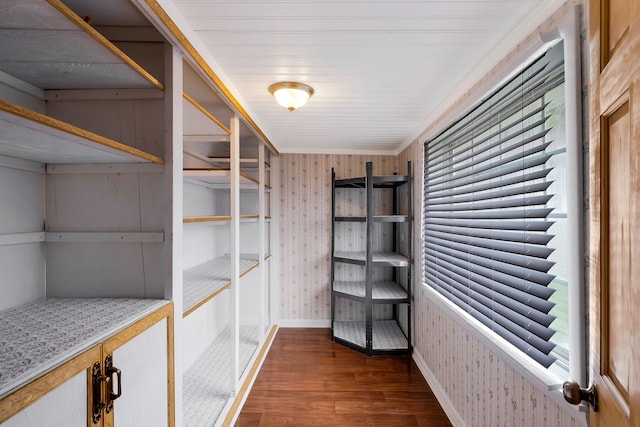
<point>160,16</point>
<point>352,151</point>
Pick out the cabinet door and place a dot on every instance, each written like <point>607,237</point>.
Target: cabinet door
<point>141,354</point>
<point>58,398</point>
<point>66,405</point>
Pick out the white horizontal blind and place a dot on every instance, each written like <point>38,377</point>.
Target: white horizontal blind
<point>485,216</point>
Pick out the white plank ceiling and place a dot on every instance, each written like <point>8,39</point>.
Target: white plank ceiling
<point>379,68</point>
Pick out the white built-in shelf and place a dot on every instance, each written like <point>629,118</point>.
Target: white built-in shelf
<point>46,44</point>
<point>204,281</point>
<point>205,218</point>
<point>207,382</point>
<point>382,292</point>
<point>226,161</point>
<point>221,219</point>
<point>33,136</point>
<point>245,162</point>
<point>390,259</point>
<point>37,337</point>
<point>217,178</point>
<point>387,334</point>
<point>200,124</point>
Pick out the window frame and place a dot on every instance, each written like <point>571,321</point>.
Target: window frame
<point>568,32</point>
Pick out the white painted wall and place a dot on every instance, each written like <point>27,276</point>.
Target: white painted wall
<point>21,211</point>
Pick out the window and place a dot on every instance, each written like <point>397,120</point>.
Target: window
<point>495,217</point>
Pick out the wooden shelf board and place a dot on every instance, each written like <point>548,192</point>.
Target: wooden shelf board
<point>219,218</point>
<point>29,135</point>
<point>205,281</point>
<point>76,55</point>
<point>212,218</point>
<point>219,177</point>
<point>227,160</point>
<point>200,120</point>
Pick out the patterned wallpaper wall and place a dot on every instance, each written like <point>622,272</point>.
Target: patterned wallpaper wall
<point>305,228</point>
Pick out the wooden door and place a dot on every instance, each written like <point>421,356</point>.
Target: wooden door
<point>614,106</point>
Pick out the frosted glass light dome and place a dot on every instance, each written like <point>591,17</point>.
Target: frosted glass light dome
<point>291,95</point>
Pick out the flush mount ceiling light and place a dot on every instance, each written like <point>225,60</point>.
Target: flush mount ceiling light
<point>291,95</point>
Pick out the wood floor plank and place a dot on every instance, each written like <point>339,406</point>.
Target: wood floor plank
<point>308,380</point>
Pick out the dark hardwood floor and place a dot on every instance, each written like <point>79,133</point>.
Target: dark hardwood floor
<point>307,380</point>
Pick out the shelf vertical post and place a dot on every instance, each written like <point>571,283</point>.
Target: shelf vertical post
<point>173,244</point>
<point>369,260</point>
<point>262,238</point>
<point>234,253</point>
<point>409,250</point>
<point>333,248</point>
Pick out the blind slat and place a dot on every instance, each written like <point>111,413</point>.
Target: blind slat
<point>534,284</point>
<point>540,304</point>
<point>483,204</point>
<point>475,187</point>
<point>513,163</point>
<point>539,356</point>
<point>498,214</point>
<point>515,322</point>
<point>478,196</point>
<point>491,255</point>
<point>500,170</point>
<point>509,304</point>
<point>479,229</point>
<point>481,149</point>
<point>537,251</point>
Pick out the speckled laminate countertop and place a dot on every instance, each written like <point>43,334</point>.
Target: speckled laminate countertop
<point>37,337</point>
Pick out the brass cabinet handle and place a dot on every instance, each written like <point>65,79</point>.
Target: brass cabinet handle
<point>97,378</point>
<point>109,371</point>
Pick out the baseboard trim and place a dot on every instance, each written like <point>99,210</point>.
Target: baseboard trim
<point>304,323</point>
<point>437,389</point>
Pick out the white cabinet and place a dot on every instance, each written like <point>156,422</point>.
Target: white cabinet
<point>65,405</point>
<point>146,379</point>
<point>63,357</point>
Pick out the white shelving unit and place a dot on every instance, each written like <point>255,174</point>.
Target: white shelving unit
<point>226,272</point>
<point>82,221</point>
<point>89,215</point>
